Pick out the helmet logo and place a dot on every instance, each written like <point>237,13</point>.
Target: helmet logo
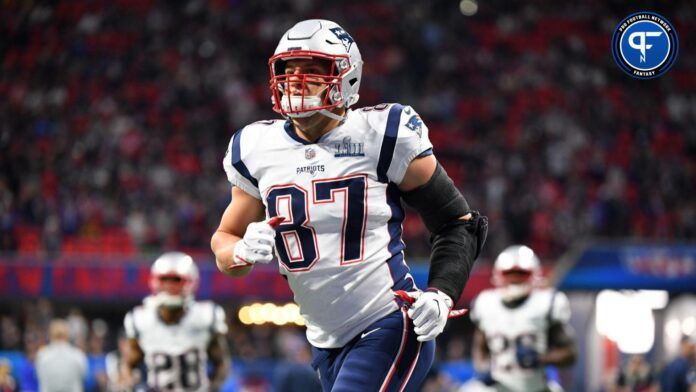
<point>345,38</point>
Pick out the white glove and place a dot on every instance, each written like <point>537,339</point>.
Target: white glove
<point>429,313</point>
<point>256,246</point>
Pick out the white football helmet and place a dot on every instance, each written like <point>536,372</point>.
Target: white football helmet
<point>516,272</point>
<point>316,39</point>
<point>173,280</point>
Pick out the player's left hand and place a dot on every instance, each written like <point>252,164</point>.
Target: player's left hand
<point>527,357</point>
<point>429,313</point>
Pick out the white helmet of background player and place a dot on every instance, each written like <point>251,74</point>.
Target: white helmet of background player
<point>516,271</point>
<point>173,280</point>
<point>316,39</point>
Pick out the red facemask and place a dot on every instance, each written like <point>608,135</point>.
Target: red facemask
<point>290,90</point>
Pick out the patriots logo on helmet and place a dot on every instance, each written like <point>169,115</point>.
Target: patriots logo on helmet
<point>415,124</point>
<point>345,38</point>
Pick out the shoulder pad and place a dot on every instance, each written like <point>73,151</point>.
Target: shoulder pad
<point>376,116</point>
<point>251,134</point>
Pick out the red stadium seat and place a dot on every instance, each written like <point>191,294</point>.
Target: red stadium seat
<point>29,238</point>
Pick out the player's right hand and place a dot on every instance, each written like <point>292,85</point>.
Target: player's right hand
<point>257,244</point>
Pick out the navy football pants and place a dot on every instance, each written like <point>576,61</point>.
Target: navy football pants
<point>385,357</point>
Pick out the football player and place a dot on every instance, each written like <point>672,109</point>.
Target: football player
<point>175,334</point>
<point>521,327</point>
<point>324,187</point>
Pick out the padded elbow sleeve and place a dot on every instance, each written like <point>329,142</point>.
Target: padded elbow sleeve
<point>456,243</point>
<point>438,201</point>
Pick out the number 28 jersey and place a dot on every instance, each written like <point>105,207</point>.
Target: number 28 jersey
<point>506,328</point>
<point>340,244</point>
<point>176,355</point>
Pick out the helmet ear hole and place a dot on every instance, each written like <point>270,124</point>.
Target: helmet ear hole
<point>353,81</point>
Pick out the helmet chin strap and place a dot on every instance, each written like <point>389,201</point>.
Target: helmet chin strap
<point>333,115</point>
<point>324,112</point>
<point>309,101</point>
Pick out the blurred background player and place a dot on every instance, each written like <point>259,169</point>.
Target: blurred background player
<point>679,375</point>
<point>636,376</point>
<point>60,366</point>
<point>337,177</point>
<point>520,327</point>
<point>7,382</point>
<point>114,361</point>
<point>175,334</point>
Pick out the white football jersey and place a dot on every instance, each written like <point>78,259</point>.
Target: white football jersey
<point>526,324</point>
<point>176,355</point>
<point>340,244</point>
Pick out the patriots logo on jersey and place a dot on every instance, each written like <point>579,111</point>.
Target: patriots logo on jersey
<point>415,124</point>
<point>345,38</point>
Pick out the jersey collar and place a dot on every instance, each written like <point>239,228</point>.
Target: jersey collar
<point>290,130</point>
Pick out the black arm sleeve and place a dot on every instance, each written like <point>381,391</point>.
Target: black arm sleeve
<point>456,243</point>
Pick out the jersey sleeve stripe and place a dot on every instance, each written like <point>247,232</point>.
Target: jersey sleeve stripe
<point>425,153</point>
<point>236,158</point>
<point>389,142</point>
